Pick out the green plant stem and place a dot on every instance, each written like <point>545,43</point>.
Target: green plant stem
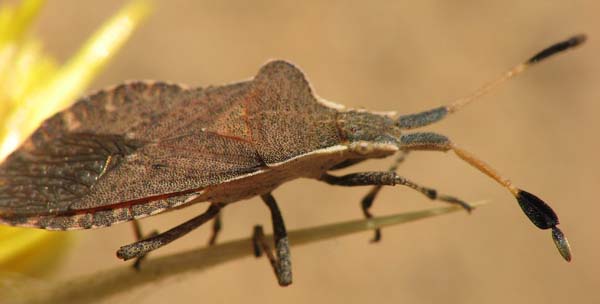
<point>97,286</point>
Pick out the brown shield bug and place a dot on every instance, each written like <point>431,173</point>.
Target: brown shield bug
<point>143,148</point>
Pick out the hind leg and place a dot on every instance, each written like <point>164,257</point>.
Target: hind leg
<point>137,230</point>
<point>141,248</point>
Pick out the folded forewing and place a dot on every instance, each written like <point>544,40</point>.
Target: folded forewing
<point>102,154</point>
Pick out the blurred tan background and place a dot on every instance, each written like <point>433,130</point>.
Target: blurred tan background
<point>540,130</point>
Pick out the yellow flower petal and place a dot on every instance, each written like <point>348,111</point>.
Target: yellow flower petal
<point>71,79</point>
<point>14,22</point>
<point>32,88</point>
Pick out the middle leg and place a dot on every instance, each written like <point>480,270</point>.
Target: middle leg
<point>282,265</point>
<point>216,229</point>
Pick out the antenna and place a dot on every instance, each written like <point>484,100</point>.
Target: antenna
<point>431,116</point>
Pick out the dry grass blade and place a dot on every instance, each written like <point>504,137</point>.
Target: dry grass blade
<point>95,287</point>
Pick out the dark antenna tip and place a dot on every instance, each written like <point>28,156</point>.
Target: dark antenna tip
<point>579,39</point>
<point>557,48</point>
<point>562,244</point>
<point>538,212</point>
<point>544,217</point>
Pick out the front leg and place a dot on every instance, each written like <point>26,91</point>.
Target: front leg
<point>389,178</point>
<point>367,202</point>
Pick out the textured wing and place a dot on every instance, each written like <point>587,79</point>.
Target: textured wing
<point>127,152</point>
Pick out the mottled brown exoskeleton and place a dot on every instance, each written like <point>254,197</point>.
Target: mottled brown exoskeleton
<point>143,148</point>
